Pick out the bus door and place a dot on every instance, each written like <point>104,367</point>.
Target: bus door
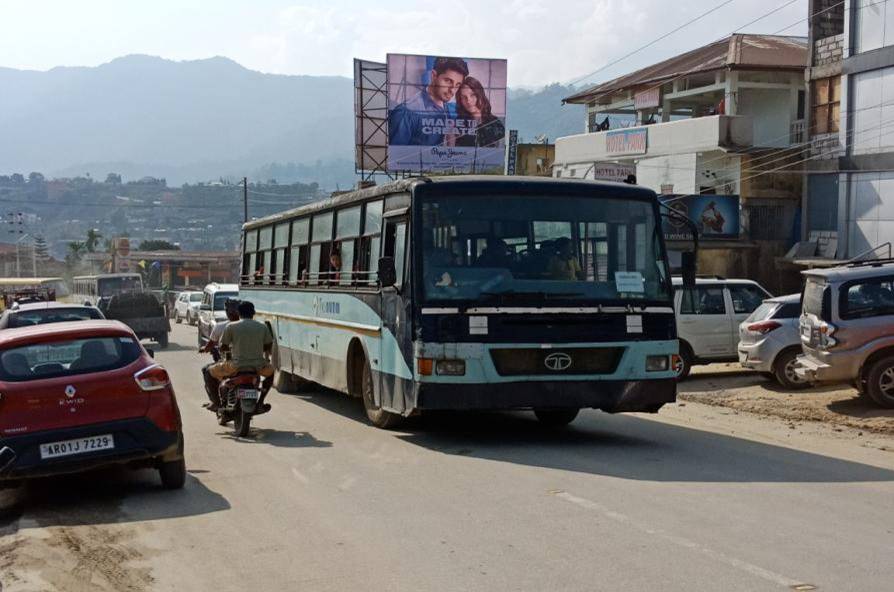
<point>395,311</point>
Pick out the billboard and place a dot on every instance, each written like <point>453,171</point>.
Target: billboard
<point>370,117</point>
<point>717,216</point>
<point>446,114</point>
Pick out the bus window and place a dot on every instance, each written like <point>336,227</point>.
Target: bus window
<point>249,256</point>
<point>280,253</point>
<point>395,246</point>
<point>320,250</point>
<point>370,243</point>
<point>265,255</point>
<point>298,256</point>
<point>347,232</point>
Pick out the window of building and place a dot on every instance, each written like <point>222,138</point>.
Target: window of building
<point>874,25</point>
<point>826,105</point>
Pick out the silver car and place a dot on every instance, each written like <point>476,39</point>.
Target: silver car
<point>770,342</point>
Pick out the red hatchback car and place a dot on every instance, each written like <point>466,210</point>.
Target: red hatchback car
<point>79,395</point>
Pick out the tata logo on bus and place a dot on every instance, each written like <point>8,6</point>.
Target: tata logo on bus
<point>557,362</point>
<point>627,141</point>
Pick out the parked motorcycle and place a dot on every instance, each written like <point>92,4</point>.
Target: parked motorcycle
<point>241,398</point>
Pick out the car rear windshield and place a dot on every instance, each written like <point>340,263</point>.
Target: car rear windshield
<point>762,312</point>
<point>67,358</point>
<point>816,300</point>
<point>790,310</point>
<point>26,318</point>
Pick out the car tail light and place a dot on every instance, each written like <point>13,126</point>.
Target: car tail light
<point>153,378</point>
<point>763,327</point>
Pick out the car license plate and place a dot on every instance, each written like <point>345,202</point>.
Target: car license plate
<point>249,394</point>
<point>77,446</point>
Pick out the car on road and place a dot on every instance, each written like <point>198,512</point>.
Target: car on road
<point>847,328</point>
<point>186,307</point>
<point>770,341</point>
<point>708,318</point>
<point>42,313</point>
<point>80,395</point>
<point>211,309</point>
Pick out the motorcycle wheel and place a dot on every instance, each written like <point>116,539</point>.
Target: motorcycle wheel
<point>222,417</point>
<point>241,422</point>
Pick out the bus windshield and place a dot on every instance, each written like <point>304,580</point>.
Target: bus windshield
<point>113,285</point>
<point>535,247</point>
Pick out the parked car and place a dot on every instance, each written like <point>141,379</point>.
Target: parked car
<point>708,318</point>
<point>211,309</point>
<point>847,328</point>
<point>41,313</point>
<point>770,340</point>
<point>186,307</point>
<point>85,394</point>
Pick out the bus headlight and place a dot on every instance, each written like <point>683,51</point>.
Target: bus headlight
<point>657,363</point>
<point>451,367</point>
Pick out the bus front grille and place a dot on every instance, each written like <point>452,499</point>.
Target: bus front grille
<point>570,361</point>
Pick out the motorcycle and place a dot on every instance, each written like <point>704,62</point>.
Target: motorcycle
<point>241,398</point>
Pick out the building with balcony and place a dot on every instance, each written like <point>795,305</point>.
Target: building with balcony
<point>726,119</point>
<point>849,188</point>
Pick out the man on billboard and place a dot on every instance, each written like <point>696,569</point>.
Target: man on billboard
<point>409,122</point>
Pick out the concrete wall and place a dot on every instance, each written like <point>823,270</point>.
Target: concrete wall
<point>771,111</point>
<point>677,170</point>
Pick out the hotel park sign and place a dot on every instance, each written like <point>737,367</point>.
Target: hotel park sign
<point>626,141</point>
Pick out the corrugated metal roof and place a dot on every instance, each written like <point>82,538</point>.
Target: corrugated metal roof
<point>736,52</point>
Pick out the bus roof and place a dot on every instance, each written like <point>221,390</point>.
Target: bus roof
<point>106,275</point>
<point>28,281</point>
<point>460,181</point>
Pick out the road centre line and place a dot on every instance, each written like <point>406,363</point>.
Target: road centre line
<point>750,568</point>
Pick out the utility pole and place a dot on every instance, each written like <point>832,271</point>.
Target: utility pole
<point>245,197</point>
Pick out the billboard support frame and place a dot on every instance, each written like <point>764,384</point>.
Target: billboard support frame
<point>370,84</point>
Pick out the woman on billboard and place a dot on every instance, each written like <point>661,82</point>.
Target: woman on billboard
<point>473,105</point>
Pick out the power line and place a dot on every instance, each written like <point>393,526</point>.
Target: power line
<point>651,43</point>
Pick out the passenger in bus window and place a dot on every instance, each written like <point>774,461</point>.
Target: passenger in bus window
<point>335,265</point>
<point>564,265</point>
<point>495,254</point>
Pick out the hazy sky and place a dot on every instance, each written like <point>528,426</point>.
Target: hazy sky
<point>544,40</point>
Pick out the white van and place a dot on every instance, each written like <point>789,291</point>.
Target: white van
<point>214,297</point>
<point>708,318</point>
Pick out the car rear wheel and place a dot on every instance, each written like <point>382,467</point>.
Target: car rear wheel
<point>784,371</point>
<point>162,340</point>
<point>880,382</point>
<point>173,474</point>
<point>177,318</point>
<point>683,361</point>
<point>556,418</point>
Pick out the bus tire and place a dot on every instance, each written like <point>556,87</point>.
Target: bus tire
<point>556,418</point>
<point>376,415</point>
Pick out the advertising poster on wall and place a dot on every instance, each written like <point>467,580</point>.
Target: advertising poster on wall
<point>717,216</point>
<point>446,114</point>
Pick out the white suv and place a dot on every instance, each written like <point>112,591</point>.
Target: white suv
<point>186,307</point>
<point>214,297</point>
<point>708,318</point>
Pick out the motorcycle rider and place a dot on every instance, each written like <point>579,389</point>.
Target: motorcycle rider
<point>231,307</point>
<point>250,344</point>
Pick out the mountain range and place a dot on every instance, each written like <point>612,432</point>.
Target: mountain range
<point>197,120</point>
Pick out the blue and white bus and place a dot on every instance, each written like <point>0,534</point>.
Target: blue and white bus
<point>471,293</point>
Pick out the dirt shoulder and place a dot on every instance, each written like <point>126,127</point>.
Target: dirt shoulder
<point>727,385</point>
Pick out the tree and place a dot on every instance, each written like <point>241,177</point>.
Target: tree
<point>17,179</point>
<point>36,178</point>
<point>157,245</point>
<point>76,250</point>
<point>113,179</point>
<point>93,237</point>
<point>40,249</point>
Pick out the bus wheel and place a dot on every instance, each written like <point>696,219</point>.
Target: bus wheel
<point>377,416</point>
<point>556,418</point>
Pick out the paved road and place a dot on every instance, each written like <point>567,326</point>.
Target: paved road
<point>317,499</point>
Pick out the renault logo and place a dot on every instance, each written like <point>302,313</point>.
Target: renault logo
<point>557,362</point>
<point>70,391</point>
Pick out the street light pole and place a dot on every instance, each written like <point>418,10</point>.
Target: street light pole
<point>18,263</point>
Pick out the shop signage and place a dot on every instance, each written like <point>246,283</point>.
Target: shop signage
<point>647,99</point>
<point>627,141</point>
<point>716,216</point>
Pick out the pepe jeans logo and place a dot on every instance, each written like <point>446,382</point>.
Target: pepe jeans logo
<point>557,362</point>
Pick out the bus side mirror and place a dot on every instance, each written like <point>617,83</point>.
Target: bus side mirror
<point>387,272</point>
<point>687,261</point>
